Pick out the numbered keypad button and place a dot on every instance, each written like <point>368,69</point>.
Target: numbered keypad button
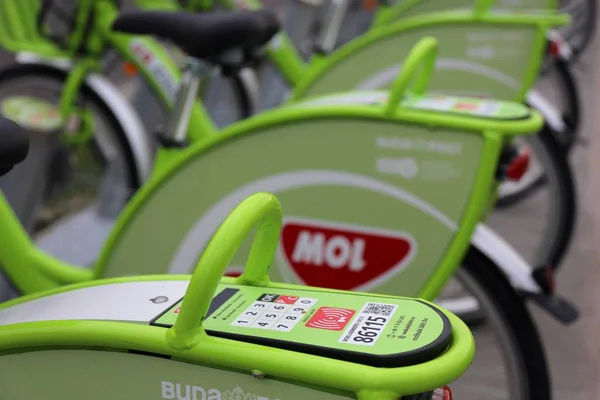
<point>297,310</point>
<point>282,326</point>
<point>272,315</point>
<point>251,314</point>
<point>263,324</point>
<point>243,322</point>
<point>305,302</point>
<point>282,308</point>
<point>259,306</point>
<point>290,319</point>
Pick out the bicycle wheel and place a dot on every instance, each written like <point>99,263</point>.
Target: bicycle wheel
<point>541,226</point>
<point>558,86</point>
<point>76,173</point>
<point>509,339</point>
<point>582,28</point>
<point>551,211</point>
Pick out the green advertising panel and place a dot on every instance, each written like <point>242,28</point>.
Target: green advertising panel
<point>389,333</point>
<point>102,375</point>
<point>474,59</point>
<point>362,202</point>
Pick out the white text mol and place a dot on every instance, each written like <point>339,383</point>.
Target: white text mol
<point>335,252</point>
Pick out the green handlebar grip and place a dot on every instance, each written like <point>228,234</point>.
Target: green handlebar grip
<point>416,69</point>
<point>262,210</point>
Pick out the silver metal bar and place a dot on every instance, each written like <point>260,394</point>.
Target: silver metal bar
<point>334,18</point>
<point>179,116</point>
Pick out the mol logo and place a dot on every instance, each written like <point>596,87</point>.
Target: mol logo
<point>342,256</point>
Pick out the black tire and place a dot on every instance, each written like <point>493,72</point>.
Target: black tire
<point>31,71</point>
<point>581,32</point>
<point>510,307</point>
<point>571,115</point>
<point>565,218</point>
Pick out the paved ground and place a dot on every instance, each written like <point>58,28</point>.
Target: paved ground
<point>574,351</point>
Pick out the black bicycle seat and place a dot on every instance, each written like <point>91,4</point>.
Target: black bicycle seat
<point>205,36</point>
<point>14,145</point>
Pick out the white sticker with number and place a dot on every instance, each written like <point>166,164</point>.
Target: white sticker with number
<point>369,324</point>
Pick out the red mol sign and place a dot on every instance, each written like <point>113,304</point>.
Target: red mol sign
<point>343,257</point>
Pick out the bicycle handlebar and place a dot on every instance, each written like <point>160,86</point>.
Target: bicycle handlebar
<point>416,69</point>
<point>262,210</point>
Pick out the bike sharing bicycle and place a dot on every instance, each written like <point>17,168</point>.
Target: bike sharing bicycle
<point>553,238</point>
<point>50,340</point>
<point>548,240</point>
<point>88,338</point>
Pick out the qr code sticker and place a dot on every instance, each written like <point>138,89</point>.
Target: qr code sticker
<point>379,309</point>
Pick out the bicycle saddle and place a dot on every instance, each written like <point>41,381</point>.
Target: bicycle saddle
<point>204,36</point>
<point>14,145</point>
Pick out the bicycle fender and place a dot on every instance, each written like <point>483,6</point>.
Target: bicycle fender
<point>551,115</point>
<point>510,262</point>
<point>130,122</point>
<point>521,275</point>
<point>564,49</point>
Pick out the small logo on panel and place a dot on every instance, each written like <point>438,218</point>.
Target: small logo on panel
<point>330,318</point>
<point>406,167</point>
<point>159,299</point>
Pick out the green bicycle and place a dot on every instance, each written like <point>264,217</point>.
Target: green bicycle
<point>111,117</point>
<point>548,236</point>
<point>206,337</point>
<point>485,71</point>
<point>336,231</point>
<point>553,233</point>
